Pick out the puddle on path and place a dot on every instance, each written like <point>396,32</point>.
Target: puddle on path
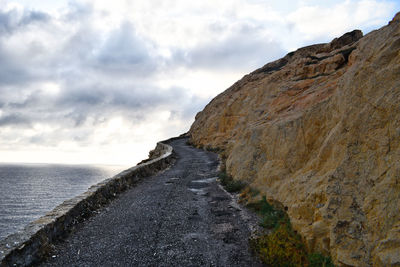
<point>206,181</point>
<point>200,192</point>
<point>198,186</point>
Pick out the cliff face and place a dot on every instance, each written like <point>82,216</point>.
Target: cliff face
<point>319,131</point>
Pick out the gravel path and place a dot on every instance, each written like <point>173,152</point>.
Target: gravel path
<point>180,217</point>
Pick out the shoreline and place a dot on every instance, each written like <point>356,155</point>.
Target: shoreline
<point>34,241</point>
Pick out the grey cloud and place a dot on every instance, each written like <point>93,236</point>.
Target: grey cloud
<point>98,101</point>
<point>34,16</point>
<point>12,20</point>
<point>31,101</point>
<point>102,77</point>
<point>79,48</point>
<point>38,139</point>
<point>83,96</point>
<point>77,12</point>
<point>53,138</point>
<point>244,48</point>
<point>11,70</point>
<point>132,98</point>
<point>14,119</point>
<point>124,50</point>
<point>78,119</point>
<point>234,53</point>
<point>13,74</point>
<point>189,106</point>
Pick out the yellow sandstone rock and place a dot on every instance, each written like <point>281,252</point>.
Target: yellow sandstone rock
<point>319,131</point>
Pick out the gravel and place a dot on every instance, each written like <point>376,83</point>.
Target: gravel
<point>180,217</point>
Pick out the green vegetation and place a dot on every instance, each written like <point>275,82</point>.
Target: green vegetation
<point>270,216</point>
<point>319,260</point>
<point>281,245</point>
<point>230,184</point>
<point>247,194</point>
<point>253,192</point>
<point>214,149</point>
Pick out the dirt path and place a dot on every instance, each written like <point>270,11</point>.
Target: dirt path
<point>180,217</point>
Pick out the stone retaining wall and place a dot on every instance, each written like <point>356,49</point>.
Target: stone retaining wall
<point>35,241</point>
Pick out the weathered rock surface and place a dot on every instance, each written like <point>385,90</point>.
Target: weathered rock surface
<point>319,131</point>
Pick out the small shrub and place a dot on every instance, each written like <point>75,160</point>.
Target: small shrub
<point>213,149</point>
<point>229,184</point>
<point>319,260</point>
<point>247,194</point>
<point>270,216</point>
<point>235,186</point>
<point>254,192</point>
<point>283,247</point>
<point>223,178</point>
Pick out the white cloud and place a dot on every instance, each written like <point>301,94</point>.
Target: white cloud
<point>99,81</point>
<point>318,22</point>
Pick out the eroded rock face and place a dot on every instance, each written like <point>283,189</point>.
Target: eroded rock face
<point>319,131</point>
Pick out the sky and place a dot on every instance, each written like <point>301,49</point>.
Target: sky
<point>100,82</point>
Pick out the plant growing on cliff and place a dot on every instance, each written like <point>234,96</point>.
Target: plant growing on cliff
<point>229,183</point>
<point>247,194</point>
<point>319,260</point>
<point>214,149</point>
<point>281,246</point>
<point>271,217</point>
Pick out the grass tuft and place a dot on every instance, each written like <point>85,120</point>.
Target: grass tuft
<point>281,246</point>
<point>230,184</point>
<point>213,149</point>
<point>271,217</point>
<point>319,260</point>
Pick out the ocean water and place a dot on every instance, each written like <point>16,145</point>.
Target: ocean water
<point>29,191</point>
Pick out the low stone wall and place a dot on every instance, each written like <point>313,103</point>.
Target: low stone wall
<point>35,241</point>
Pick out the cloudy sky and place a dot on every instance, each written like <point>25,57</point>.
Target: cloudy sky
<point>99,81</point>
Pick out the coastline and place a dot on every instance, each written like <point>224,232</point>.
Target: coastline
<point>34,241</point>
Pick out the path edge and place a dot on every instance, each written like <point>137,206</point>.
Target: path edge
<point>35,241</point>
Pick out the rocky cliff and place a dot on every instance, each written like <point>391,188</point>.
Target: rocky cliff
<point>319,131</point>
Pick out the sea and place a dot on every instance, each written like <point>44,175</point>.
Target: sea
<point>29,191</point>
